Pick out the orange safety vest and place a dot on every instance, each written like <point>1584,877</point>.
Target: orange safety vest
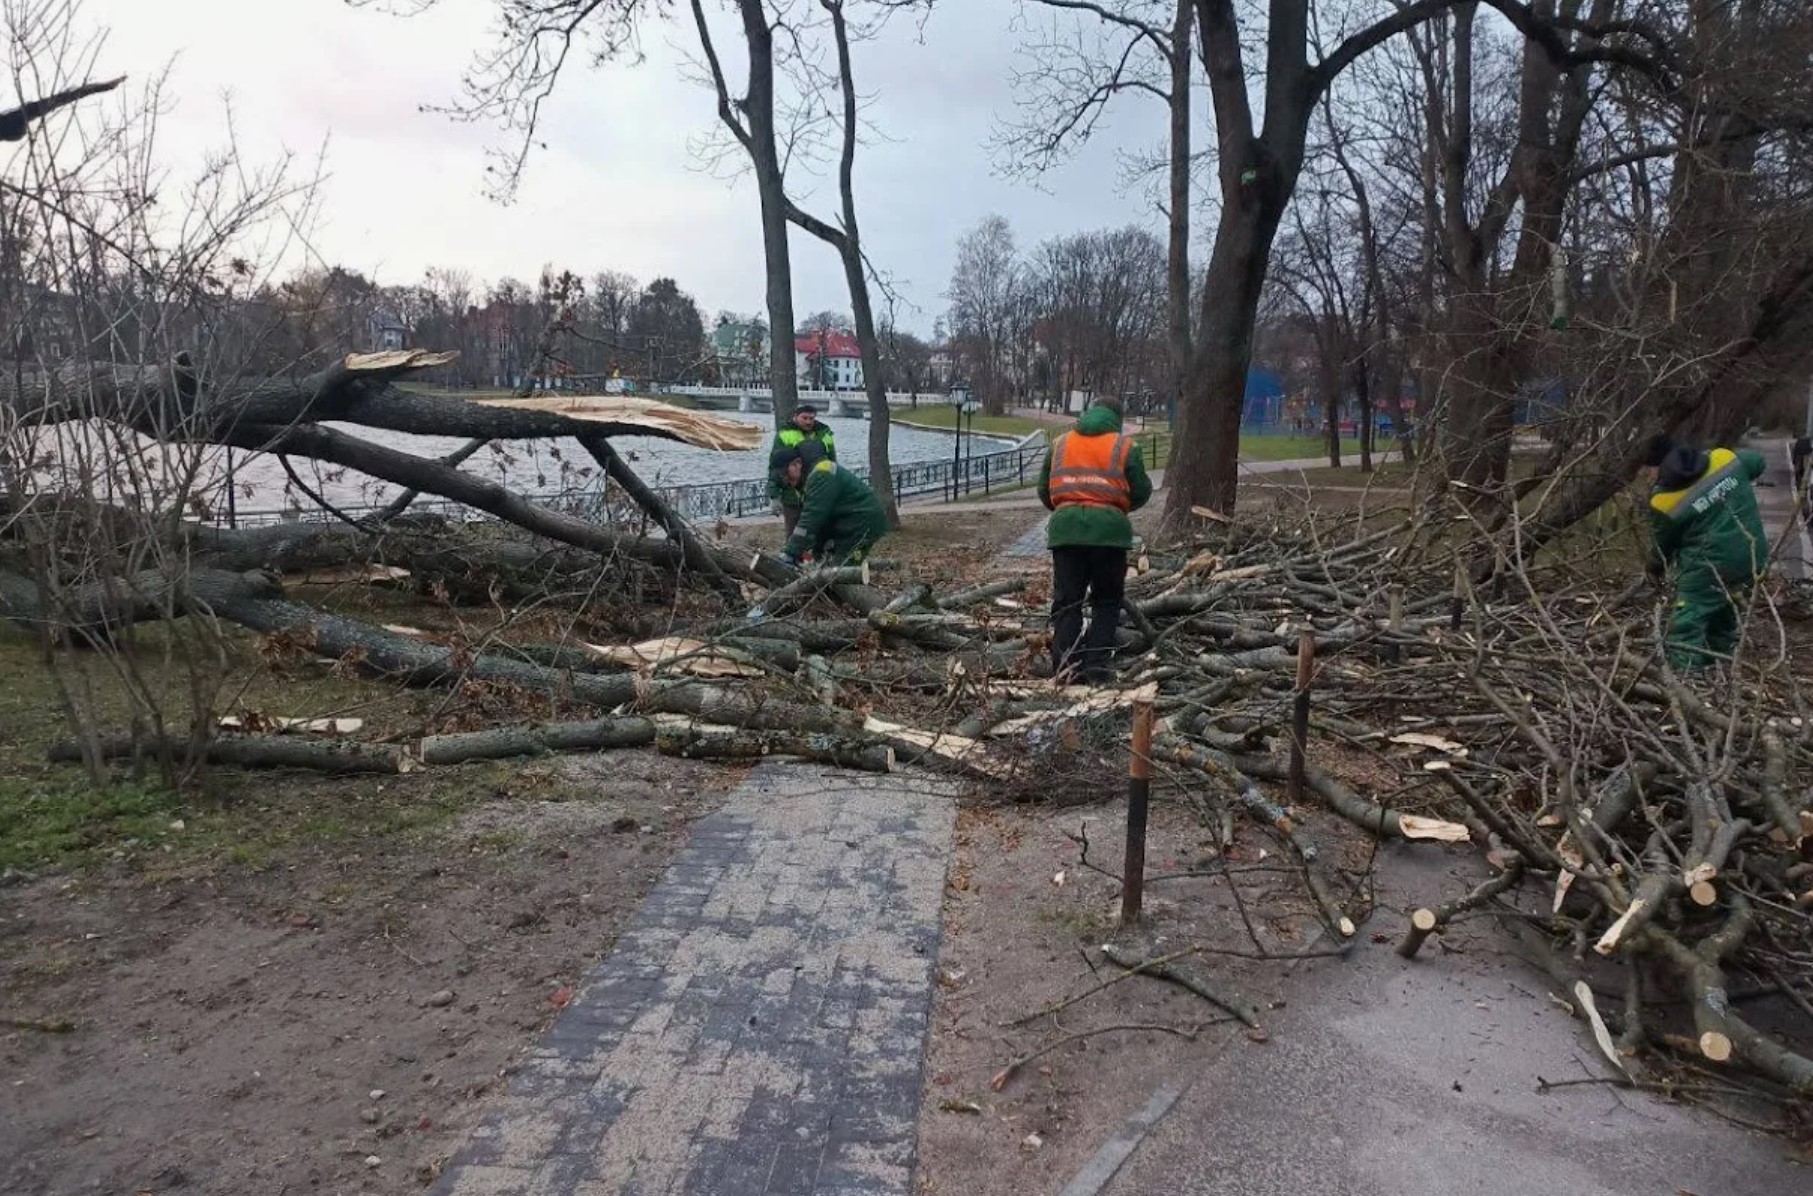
<point>1091,471</point>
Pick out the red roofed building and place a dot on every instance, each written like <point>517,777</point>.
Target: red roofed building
<point>829,360</point>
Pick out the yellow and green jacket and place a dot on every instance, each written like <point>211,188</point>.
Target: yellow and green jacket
<point>1704,517</point>
<point>792,437</point>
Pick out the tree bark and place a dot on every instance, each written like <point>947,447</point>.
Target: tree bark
<point>1177,249</point>
<point>695,744</point>
<point>336,756</point>
<point>537,739</point>
<point>98,608</point>
<point>174,403</point>
<point>771,186</point>
<point>405,469</point>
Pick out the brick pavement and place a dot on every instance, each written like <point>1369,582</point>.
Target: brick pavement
<point>760,1029</point>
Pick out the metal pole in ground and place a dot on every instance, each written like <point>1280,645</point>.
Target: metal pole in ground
<point>1306,667</point>
<point>1139,794</point>
<point>1394,651</point>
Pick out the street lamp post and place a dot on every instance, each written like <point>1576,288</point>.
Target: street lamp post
<point>969,451</point>
<point>960,402</point>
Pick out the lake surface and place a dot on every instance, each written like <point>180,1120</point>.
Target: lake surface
<point>524,466</point>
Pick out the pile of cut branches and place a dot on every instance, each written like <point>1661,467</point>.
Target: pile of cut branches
<point>1665,820</point>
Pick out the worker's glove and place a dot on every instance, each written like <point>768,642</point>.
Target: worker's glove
<point>779,508</point>
<point>791,561</point>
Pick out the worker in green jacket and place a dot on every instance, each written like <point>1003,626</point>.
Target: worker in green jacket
<point>840,518</point>
<point>1092,478</point>
<point>804,427</point>
<point>1707,528</point>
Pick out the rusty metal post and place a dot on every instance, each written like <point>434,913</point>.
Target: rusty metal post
<point>1139,792</point>
<point>1306,668</point>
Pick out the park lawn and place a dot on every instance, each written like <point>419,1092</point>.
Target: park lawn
<point>1154,441</point>
<point>943,415</point>
<point>52,816</point>
<point>1276,446</point>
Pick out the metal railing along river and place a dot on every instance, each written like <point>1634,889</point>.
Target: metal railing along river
<point>954,479</point>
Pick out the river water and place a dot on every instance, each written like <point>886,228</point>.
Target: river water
<point>541,467</point>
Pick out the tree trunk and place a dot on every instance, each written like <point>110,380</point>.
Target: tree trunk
<point>337,756</point>
<point>695,744</point>
<point>1177,260</point>
<point>1204,469</point>
<point>173,403</point>
<point>771,186</point>
<point>535,739</point>
<point>1331,414</point>
<point>404,469</point>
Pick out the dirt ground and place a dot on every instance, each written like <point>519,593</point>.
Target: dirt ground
<point>937,545</point>
<point>1024,922</point>
<point>335,1021</point>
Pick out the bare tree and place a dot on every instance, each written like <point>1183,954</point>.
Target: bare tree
<point>985,292</point>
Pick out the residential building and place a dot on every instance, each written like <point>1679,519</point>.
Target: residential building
<point>740,350</point>
<point>828,360</point>
<point>943,368</point>
<point>385,330</point>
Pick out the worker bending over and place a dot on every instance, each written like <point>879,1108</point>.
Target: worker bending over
<point>840,518</point>
<point>1709,531</point>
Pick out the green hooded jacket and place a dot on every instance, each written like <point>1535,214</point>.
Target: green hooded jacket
<point>1073,526</point>
<point>792,437</point>
<point>1704,516</point>
<point>840,516</point>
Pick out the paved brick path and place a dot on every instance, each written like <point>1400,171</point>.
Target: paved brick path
<point>1030,545</point>
<point>761,1027</point>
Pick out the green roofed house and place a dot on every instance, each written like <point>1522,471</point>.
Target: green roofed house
<point>740,349</point>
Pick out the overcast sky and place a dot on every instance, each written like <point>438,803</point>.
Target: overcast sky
<point>619,185</point>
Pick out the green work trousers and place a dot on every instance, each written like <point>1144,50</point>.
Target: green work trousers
<point>1703,626</point>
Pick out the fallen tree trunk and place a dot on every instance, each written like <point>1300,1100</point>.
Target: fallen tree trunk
<point>337,756</point>
<point>419,473</point>
<point>174,402</point>
<point>699,744</point>
<point>99,608</point>
<point>537,739</point>
<point>415,661</point>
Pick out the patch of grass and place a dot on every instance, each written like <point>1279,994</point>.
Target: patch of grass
<point>53,817</point>
<point>1283,447</point>
<point>943,415</point>
<point>61,821</point>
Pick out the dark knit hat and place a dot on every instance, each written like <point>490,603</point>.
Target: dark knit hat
<point>1657,450</point>
<point>1111,402</point>
<point>811,452</point>
<point>782,457</point>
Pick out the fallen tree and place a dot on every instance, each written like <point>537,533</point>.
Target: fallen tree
<point>1663,824</point>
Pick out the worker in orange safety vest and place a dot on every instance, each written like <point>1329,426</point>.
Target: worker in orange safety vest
<point>1092,479</point>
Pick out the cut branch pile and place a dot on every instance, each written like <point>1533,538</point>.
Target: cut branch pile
<point>1670,824</point>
